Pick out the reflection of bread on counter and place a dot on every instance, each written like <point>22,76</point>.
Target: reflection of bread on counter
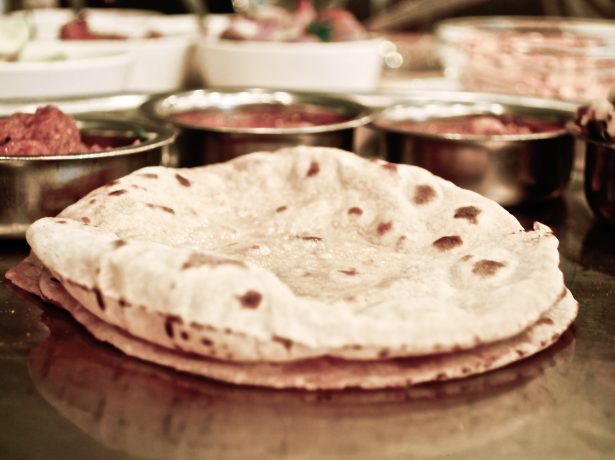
<point>150,412</point>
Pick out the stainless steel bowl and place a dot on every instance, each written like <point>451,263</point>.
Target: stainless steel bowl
<point>35,187</point>
<point>199,145</point>
<point>512,169</point>
<point>600,178</point>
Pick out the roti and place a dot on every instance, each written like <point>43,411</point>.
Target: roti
<point>303,268</point>
<point>326,373</point>
<point>301,253</point>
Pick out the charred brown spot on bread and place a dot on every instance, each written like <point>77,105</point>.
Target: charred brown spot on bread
<point>61,221</point>
<point>182,180</point>
<point>118,243</point>
<point>184,335</point>
<point>310,238</point>
<point>355,210</point>
<point>197,260</point>
<point>423,194</point>
<point>117,192</point>
<point>563,293</point>
<point>520,353</point>
<point>169,323</point>
<point>286,343</point>
<point>112,183</point>
<point>255,246</point>
<point>389,166</point>
<point>349,271</point>
<point>440,376</point>
<point>554,337</point>
<point>446,243</point>
<point>251,299</point>
<point>99,299</point>
<point>122,303</point>
<point>465,370</point>
<point>93,201</point>
<point>400,242</point>
<point>85,220</point>
<point>470,213</point>
<point>149,175</point>
<point>466,257</point>
<point>486,267</point>
<point>281,208</point>
<point>314,169</point>
<point>207,342</point>
<point>137,187</point>
<point>161,207</point>
<point>544,320</point>
<point>384,353</point>
<point>384,227</point>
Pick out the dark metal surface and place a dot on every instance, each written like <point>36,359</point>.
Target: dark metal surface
<point>600,179</point>
<point>65,396</point>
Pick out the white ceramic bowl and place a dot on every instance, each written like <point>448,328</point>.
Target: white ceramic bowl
<point>349,65</point>
<point>54,70</point>
<point>159,64</point>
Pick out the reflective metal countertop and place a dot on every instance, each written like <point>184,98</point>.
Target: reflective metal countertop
<point>65,396</point>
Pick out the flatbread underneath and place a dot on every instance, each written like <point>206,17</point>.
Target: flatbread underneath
<point>301,253</point>
<point>319,373</point>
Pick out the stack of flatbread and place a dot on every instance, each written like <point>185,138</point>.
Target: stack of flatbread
<point>303,268</point>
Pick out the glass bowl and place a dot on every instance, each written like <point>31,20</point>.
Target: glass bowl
<point>569,59</point>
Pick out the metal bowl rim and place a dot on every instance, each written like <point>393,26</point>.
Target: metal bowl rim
<point>363,117</point>
<point>379,118</point>
<point>165,135</point>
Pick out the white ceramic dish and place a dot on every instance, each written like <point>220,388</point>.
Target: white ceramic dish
<point>54,70</point>
<point>158,64</point>
<point>349,65</point>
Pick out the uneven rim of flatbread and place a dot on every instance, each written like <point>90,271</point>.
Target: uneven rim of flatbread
<point>329,373</point>
<point>285,327</point>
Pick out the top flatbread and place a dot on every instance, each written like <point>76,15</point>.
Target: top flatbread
<point>301,252</point>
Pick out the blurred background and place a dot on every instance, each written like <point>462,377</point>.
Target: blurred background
<point>391,14</point>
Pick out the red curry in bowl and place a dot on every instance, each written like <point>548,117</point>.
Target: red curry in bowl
<point>51,132</point>
<point>480,125</point>
<point>262,116</point>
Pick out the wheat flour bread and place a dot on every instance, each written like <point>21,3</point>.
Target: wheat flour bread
<point>303,255</point>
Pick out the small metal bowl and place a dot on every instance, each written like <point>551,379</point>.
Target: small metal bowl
<point>198,145</point>
<point>512,169</point>
<point>599,178</point>
<point>34,187</point>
